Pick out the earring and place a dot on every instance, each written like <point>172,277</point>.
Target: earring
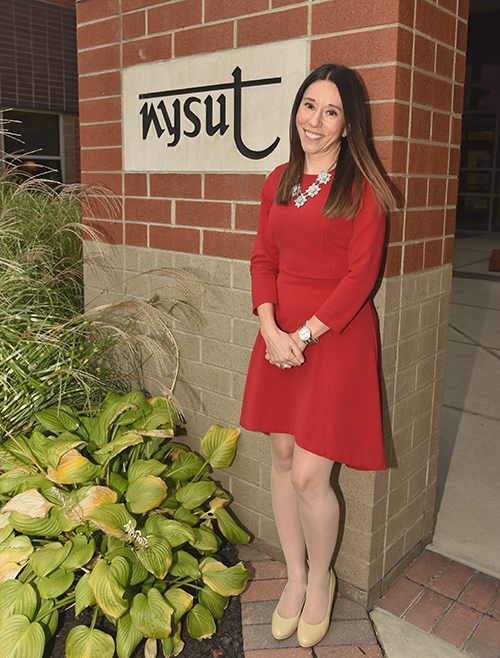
<point>344,134</point>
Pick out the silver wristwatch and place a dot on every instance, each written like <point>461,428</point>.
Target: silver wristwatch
<point>305,335</point>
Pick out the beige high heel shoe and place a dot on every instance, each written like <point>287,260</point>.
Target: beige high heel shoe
<point>310,634</point>
<point>282,628</point>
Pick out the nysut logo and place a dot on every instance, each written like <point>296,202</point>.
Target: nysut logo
<point>186,117</point>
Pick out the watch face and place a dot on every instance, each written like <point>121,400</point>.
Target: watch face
<point>305,334</point>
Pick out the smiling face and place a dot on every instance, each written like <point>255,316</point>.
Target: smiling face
<point>320,123</point>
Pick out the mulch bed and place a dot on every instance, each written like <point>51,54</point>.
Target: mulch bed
<point>227,642</point>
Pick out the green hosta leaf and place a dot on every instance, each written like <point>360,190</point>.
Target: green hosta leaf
<point>17,598</point>
<point>83,500</point>
<point>120,569</point>
<point>185,516</point>
<point>137,572</point>
<point>112,519</point>
<point>157,557</point>
<point>82,551</point>
<point>156,417</point>
<point>58,420</point>
<point>49,527</point>
<point>48,621</point>
<point>173,645</point>
<point>145,494</point>
<point>219,445</point>
<point>118,483</point>
<point>10,451</point>
<point>184,565</point>
<point>180,601</point>
<point>151,614</point>
<point>195,494</point>
<point>107,590</point>
<point>84,642</point>
<point>6,534</point>
<point>219,501</point>
<point>213,601</point>
<point>173,409</point>
<point>175,532</point>
<point>11,480</point>
<point>84,594</point>
<point>229,528</point>
<point>116,446</point>
<point>14,557</point>
<point>200,623</point>
<point>59,446</point>
<point>141,468</point>
<point>186,467</point>
<point>127,636</point>
<point>47,559</point>
<point>226,581</point>
<point>150,648</point>
<point>21,638</point>
<point>73,468</point>
<point>56,584</point>
<point>206,540</point>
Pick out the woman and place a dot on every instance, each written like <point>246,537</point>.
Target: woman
<point>313,382</point>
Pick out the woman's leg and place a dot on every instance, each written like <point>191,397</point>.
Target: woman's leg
<point>288,522</point>
<point>319,514</point>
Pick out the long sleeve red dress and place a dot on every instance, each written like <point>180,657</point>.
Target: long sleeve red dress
<point>308,264</point>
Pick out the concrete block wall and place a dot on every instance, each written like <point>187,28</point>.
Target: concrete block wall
<point>411,56</point>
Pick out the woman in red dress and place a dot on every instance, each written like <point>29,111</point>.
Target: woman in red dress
<point>316,260</point>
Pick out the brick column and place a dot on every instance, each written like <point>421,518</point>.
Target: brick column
<point>411,56</point>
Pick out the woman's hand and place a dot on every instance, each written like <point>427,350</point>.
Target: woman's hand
<point>281,349</point>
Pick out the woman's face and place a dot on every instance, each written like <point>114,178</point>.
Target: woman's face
<point>320,121</point>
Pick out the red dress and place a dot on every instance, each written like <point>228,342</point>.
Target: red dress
<point>308,264</point>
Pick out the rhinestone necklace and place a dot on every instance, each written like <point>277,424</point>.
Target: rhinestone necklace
<point>301,197</point>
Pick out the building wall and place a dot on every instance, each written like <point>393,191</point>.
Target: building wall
<point>411,56</point>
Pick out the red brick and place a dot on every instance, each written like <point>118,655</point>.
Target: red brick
<point>347,651</point>
<point>101,109</point>
<point>457,625</point>
<point>106,159</point>
<point>101,206</point>
<point>136,184</point>
<point>435,22</point>
<point>392,264</point>
<point>445,58</point>
<point>441,127</point>
<point>392,154</point>
<point>266,570</point>
<point>105,58</point>
<point>111,232</point>
<point>134,25</point>
<point>425,53</point>
<point>215,10</point>
<point>417,192</point>
<point>101,134</point>
<point>494,611</point>
<point>450,221</point>
<point>136,234</point>
<point>463,9</point>
<point>387,83</point>
<point>205,39</point>
<point>130,5</point>
<point>437,192</point>
<point>228,245</point>
<point>382,45</point>
<point>422,224</point>
<point>203,213</point>
<point>400,596</point>
<point>184,186</point>
<point>431,91</point>
<point>460,62</point>
<point>333,16</point>
<point>263,590</point>
<point>458,99</point>
<point>413,260</point>
<point>93,10</point>
<point>433,252</point>
<point>456,130</point>
<point>112,182</point>
<point>285,3</point>
<point>148,210</point>
<point>452,193</point>
<point>481,591</point>
<point>174,238</point>
<point>152,49</point>
<point>240,187</point>
<point>174,15</point>
<point>454,161</point>
<point>246,217</point>
<point>292,652</point>
<point>420,123</point>
<point>427,567</point>
<point>102,84</point>
<point>98,34</point>
<point>277,26</point>
<point>448,250</point>
<point>389,119</point>
<point>486,640</point>
<point>451,5</point>
<point>428,159</point>
<point>427,610</point>
<point>462,28</point>
<point>395,227</point>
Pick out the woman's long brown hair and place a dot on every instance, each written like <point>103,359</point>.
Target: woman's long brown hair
<point>355,163</point>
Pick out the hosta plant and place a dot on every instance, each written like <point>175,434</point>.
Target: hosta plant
<point>107,511</point>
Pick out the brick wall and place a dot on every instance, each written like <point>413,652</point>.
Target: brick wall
<point>411,55</point>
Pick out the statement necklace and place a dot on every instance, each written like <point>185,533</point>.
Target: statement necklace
<point>301,197</point>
